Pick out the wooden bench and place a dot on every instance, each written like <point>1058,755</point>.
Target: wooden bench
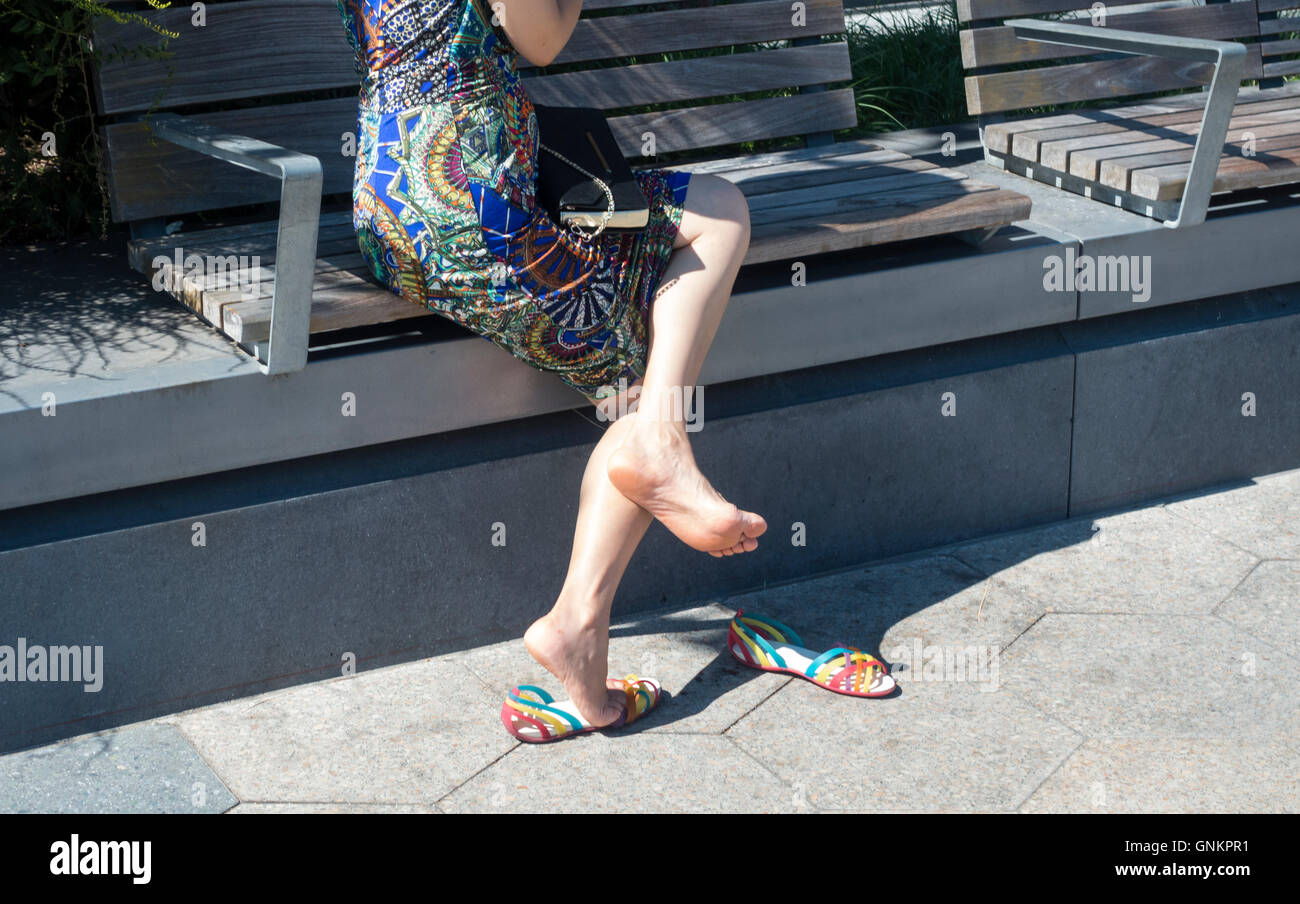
<point>1165,156</point>
<point>247,83</point>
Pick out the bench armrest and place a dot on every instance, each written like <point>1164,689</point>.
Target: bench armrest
<point>295,244</point>
<point>1229,59</point>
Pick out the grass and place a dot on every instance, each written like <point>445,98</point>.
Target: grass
<point>907,74</point>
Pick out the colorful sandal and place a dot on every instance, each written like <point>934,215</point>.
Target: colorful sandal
<point>766,644</point>
<point>532,715</point>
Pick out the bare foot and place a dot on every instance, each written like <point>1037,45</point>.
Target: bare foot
<point>579,658</point>
<point>655,469</point>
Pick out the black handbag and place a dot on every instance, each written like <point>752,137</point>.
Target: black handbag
<point>583,180</point>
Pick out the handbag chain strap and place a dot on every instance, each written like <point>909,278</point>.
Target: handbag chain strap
<point>609,212</point>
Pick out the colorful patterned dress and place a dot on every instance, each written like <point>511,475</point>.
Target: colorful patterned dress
<point>443,199</point>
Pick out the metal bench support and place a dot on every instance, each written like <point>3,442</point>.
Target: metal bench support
<point>1229,59</point>
<point>295,245</point>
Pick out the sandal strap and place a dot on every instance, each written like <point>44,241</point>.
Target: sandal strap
<point>539,709</point>
<point>847,658</point>
<point>641,697</point>
<point>754,632</point>
<point>773,629</point>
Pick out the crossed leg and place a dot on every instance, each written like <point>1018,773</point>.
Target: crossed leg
<point>642,467</point>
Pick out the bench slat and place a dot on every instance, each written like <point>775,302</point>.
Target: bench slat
<point>1149,154</point>
<point>156,178</point>
<point>999,137</point>
<point>888,218</point>
<point>1086,162</point>
<point>972,10</point>
<point>1048,145</point>
<point>1276,70</point>
<point>998,46</point>
<point>619,37</point>
<point>693,79</point>
<point>1117,172</point>
<point>264,48</point>
<point>1279,48</point>
<point>1235,173</point>
<point>1114,78</point>
<point>691,128</point>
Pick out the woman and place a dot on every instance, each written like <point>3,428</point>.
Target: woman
<point>445,215</point>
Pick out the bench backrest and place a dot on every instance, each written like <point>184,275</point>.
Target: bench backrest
<point>1007,73</point>
<point>282,71</point>
<point>1278,25</point>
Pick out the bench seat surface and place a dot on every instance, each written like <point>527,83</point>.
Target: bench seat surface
<point>806,201</point>
<point>1146,149</point>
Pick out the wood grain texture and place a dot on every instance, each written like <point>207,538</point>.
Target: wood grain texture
<point>691,128</point>
<point>1117,172</point>
<point>1279,48</point>
<point>262,48</point>
<point>150,177</point>
<point>1086,162</point>
<point>693,79</point>
<point>1147,150</point>
<point>999,137</point>
<point>1271,167</point>
<point>1051,146</point>
<point>1000,46</point>
<point>970,10</point>
<point>620,37</point>
<point>1103,79</point>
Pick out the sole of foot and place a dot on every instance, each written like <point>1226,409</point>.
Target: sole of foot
<point>659,474</point>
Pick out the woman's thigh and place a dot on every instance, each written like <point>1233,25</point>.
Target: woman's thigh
<point>712,203</point>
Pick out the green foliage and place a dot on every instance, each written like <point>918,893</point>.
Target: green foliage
<point>51,183</point>
<point>907,71</point>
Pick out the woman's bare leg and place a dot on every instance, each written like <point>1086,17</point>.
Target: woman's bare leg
<point>654,466</point>
<point>572,640</point>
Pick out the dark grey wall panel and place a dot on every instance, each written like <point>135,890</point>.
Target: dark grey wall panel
<point>1158,397</point>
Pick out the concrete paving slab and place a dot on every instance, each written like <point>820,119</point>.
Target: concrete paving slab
<point>401,735</point>
<point>1266,605</point>
<point>1139,561</point>
<point>1154,676</point>
<point>1203,775</point>
<point>138,769</point>
<point>628,771</point>
<point>1262,517</point>
<point>937,746</point>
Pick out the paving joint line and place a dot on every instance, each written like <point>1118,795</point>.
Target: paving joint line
<point>747,712</point>
<point>1237,586</point>
<point>1210,531</point>
<point>185,736</point>
<point>1065,758</point>
<point>762,765</point>
<point>476,773</point>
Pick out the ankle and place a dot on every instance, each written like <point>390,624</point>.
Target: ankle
<point>578,614</point>
<point>667,405</point>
